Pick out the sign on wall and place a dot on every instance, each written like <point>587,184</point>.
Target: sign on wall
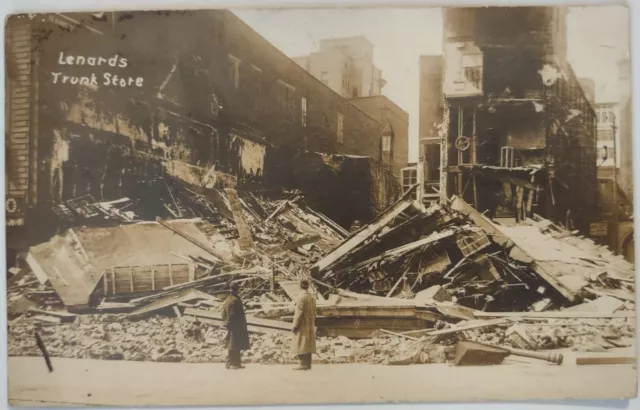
<point>462,70</point>
<point>103,71</point>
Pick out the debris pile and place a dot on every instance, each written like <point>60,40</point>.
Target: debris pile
<point>414,285</point>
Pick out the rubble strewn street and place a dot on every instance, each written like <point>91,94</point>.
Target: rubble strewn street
<point>405,288</point>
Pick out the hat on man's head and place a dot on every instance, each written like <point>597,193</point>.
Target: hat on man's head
<point>304,283</point>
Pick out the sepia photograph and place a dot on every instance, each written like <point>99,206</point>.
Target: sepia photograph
<point>279,206</point>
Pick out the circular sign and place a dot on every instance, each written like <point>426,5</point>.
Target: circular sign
<point>11,205</point>
<point>463,143</point>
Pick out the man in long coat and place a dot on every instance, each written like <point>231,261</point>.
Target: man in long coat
<point>237,338</point>
<point>304,327</point>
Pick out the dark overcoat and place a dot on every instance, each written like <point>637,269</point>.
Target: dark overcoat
<point>304,320</point>
<point>236,323</point>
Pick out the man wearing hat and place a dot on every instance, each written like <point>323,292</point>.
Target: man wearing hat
<point>304,327</point>
<point>237,338</point>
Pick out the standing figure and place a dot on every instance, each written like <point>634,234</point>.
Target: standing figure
<point>304,327</point>
<point>237,338</point>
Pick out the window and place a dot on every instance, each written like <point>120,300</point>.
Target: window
<point>234,71</point>
<point>303,111</point>
<point>386,143</point>
<point>324,77</point>
<point>409,179</point>
<point>354,93</point>
<point>287,95</point>
<point>340,132</point>
<point>257,74</point>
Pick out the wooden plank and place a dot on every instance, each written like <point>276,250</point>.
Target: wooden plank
<point>557,315</point>
<point>402,335</point>
<point>364,233</point>
<point>339,229</point>
<point>604,304</point>
<point>469,326</point>
<point>293,244</point>
<point>245,239</point>
<point>169,301</point>
<point>64,316</point>
<point>194,241</point>
<point>257,322</point>
<point>219,323</point>
<point>131,279</point>
<point>483,222</point>
<point>278,210</point>
<point>606,359</point>
<point>615,293</point>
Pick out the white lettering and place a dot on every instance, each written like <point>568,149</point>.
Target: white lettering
<point>61,59</point>
<point>123,62</point>
<point>107,78</point>
<point>55,76</point>
<point>139,81</point>
<point>101,60</point>
<point>84,81</point>
<point>74,80</point>
<point>91,60</point>
<point>94,79</point>
<point>113,61</point>
<point>69,60</point>
<point>80,60</point>
<point>65,78</point>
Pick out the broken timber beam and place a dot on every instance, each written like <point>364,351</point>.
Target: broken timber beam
<point>278,210</point>
<point>293,244</point>
<point>244,232</point>
<point>364,233</point>
<point>253,321</point>
<point>505,241</point>
<point>456,329</point>
<point>188,237</point>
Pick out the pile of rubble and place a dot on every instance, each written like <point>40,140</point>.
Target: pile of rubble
<point>411,286</point>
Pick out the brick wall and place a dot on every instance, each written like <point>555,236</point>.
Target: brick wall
<point>18,117</point>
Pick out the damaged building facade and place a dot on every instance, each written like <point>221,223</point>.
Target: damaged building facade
<point>519,134</point>
<point>111,105</point>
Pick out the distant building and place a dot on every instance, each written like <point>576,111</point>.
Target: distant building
<point>589,88</point>
<point>607,127</point>
<point>346,66</point>
<point>394,149</point>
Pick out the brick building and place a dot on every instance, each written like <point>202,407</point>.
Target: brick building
<point>107,104</point>
<point>394,146</point>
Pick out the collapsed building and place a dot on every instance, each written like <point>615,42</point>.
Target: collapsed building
<point>516,134</point>
<point>156,213</point>
<point>415,284</point>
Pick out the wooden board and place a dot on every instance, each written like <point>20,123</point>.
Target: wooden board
<point>606,359</point>
<point>364,233</point>
<point>170,300</point>
<point>267,323</point>
<point>604,304</point>
<point>557,315</point>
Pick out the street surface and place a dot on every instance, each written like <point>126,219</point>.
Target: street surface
<point>119,383</point>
